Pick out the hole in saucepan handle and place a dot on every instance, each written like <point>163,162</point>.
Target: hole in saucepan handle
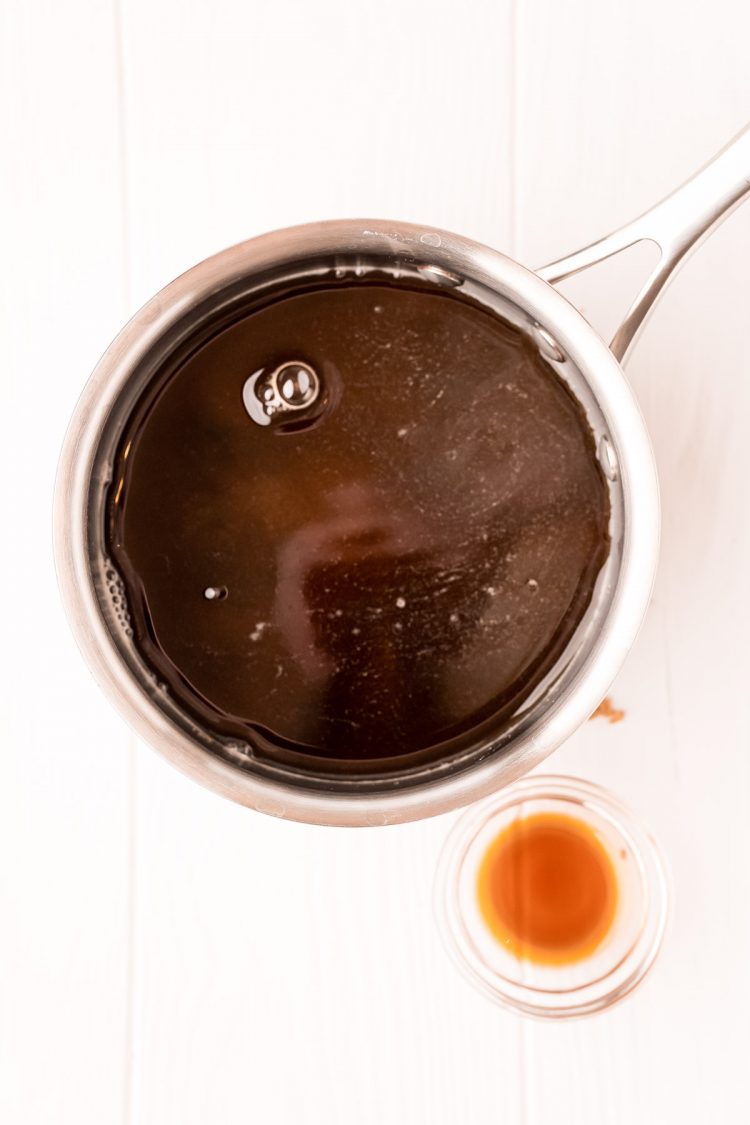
<point>603,293</point>
<point>676,225</point>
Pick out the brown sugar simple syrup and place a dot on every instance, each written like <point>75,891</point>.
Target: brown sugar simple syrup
<point>378,584</point>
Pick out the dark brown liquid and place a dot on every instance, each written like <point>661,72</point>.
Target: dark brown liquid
<point>385,580</point>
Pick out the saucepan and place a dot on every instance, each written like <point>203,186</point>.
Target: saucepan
<point>593,371</point>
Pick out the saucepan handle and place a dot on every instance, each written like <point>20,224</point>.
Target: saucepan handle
<point>676,225</point>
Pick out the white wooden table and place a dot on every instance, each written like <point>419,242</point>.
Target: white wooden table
<point>167,958</point>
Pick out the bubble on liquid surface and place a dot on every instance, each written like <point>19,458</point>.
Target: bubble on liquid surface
<point>297,384</point>
<point>608,458</point>
<point>548,345</point>
<point>215,593</point>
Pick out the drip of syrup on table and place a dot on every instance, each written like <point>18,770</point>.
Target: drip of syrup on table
<point>547,889</point>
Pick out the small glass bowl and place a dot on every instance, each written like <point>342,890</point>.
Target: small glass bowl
<point>626,953</point>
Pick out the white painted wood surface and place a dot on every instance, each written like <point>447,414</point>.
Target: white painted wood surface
<point>167,958</point>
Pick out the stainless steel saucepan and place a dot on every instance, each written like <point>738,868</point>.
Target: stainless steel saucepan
<point>594,373</point>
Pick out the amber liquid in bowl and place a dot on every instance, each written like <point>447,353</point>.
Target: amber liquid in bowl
<point>547,889</point>
<point>381,577</point>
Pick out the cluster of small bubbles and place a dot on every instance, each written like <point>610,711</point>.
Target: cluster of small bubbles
<point>291,387</point>
<point>115,588</point>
